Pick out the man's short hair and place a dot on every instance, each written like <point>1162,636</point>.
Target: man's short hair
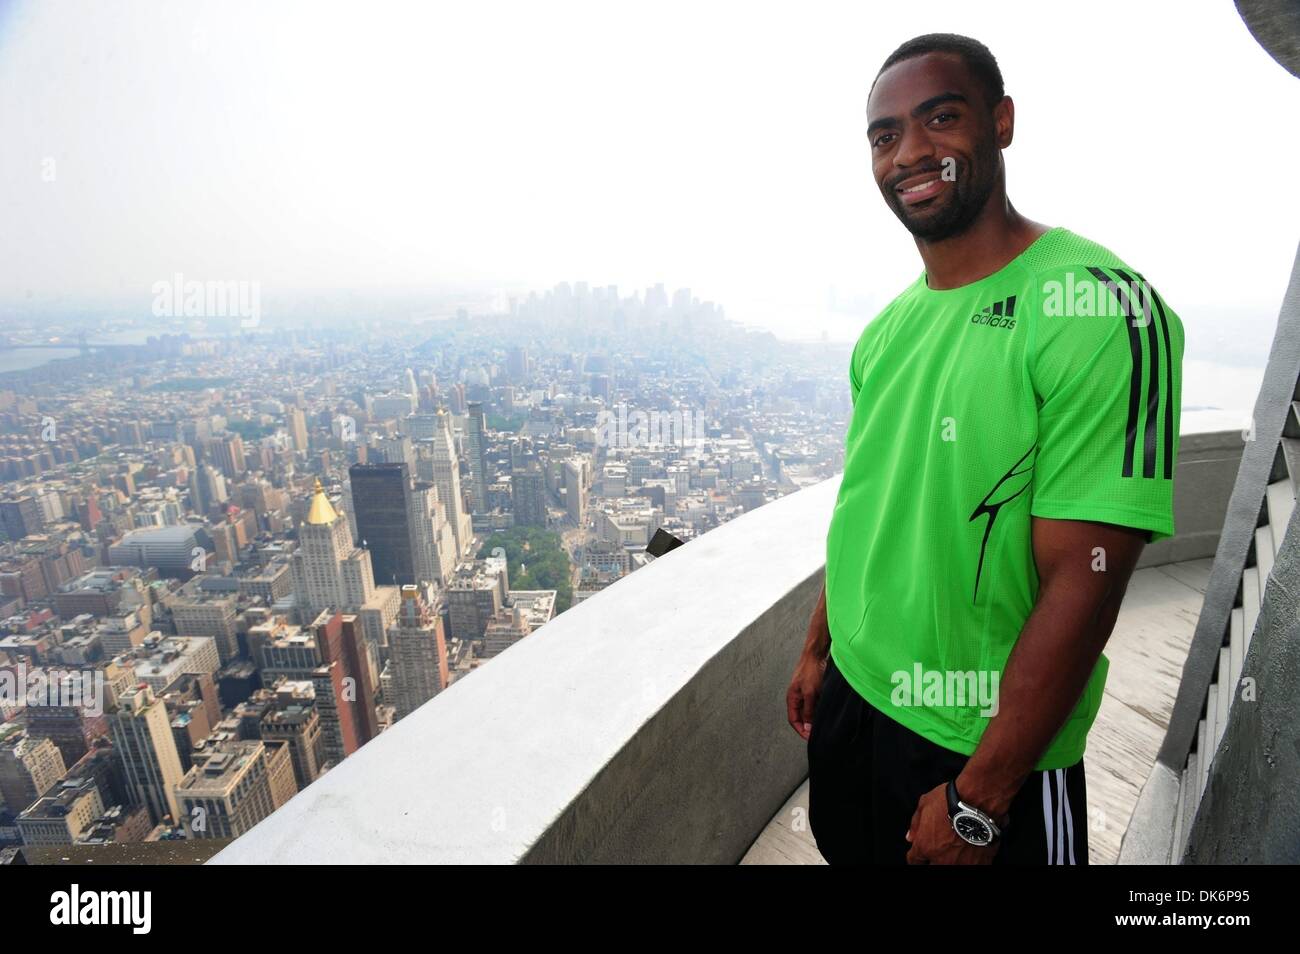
<point>979,60</point>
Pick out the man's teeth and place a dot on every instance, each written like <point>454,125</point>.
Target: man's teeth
<point>918,188</point>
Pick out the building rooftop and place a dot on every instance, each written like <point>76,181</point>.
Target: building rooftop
<point>321,512</point>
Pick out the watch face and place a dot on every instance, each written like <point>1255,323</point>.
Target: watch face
<point>972,828</point>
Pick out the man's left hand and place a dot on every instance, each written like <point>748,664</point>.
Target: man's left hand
<point>933,840</point>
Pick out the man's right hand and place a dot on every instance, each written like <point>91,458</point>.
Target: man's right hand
<point>801,697</point>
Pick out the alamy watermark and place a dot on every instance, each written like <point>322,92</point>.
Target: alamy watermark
<point>179,298</point>
<point>1100,297</point>
<point>645,429</point>
<point>49,687</point>
<point>128,908</point>
<point>946,688</point>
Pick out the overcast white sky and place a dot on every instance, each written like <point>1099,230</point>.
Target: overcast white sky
<point>716,145</point>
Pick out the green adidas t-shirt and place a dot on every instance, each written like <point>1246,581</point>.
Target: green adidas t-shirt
<point>1050,388</point>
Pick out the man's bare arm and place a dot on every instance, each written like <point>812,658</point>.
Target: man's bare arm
<point>818,642</point>
<point>1058,648</point>
<point>801,696</point>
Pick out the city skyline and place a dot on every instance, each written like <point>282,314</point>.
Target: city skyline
<point>739,170</point>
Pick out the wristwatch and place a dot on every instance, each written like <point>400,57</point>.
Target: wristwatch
<point>970,824</point>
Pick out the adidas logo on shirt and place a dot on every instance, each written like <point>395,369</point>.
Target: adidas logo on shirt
<point>1000,314</point>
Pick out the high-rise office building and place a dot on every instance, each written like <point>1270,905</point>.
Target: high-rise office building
<point>474,595</point>
<point>379,494</point>
<point>575,491</point>
<point>21,516</point>
<point>298,429</point>
<point>403,524</point>
<point>143,742</point>
<point>334,640</point>
<point>338,728</point>
<point>417,658</point>
<point>349,646</point>
<point>298,724</point>
<point>433,545</point>
<point>228,452</point>
<point>422,427</point>
<point>476,449</point>
<point>207,488</point>
<point>528,495</point>
<point>446,474</point>
<point>517,364</point>
<point>329,570</point>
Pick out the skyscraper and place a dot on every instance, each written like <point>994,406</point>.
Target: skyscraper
<point>143,741</point>
<point>229,454</point>
<point>339,639</point>
<point>476,441</point>
<point>334,642</point>
<point>298,428</point>
<point>474,595</point>
<point>446,474</point>
<point>20,516</point>
<point>517,364</point>
<point>299,726</point>
<point>329,570</point>
<point>433,546</point>
<point>356,655</point>
<point>417,654</point>
<point>528,494</point>
<point>379,494</point>
<point>403,524</point>
<point>338,728</point>
<point>575,491</point>
<point>207,488</point>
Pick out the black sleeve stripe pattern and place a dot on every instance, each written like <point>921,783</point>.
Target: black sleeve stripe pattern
<point>1157,331</point>
<point>1153,382</point>
<point>1169,384</point>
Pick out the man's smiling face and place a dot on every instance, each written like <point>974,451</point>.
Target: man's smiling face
<point>934,143</point>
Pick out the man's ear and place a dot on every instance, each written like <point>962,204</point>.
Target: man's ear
<point>1004,121</point>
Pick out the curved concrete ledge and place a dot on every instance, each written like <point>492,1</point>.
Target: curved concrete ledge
<point>1275,25</point>
<point>646,724</point>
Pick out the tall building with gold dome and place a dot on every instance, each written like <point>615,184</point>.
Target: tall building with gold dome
<point>329,570</point>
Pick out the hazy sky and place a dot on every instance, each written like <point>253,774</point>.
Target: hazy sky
<point>715,145</point>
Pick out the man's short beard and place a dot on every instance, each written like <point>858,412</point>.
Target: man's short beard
<point>960,214</point>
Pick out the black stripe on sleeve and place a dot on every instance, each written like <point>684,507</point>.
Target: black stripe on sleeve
<point>1135,375</point>
<point>1153,382</point>
<point>1169,381</point>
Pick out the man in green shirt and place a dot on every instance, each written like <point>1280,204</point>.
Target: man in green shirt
<point>1011,449</point>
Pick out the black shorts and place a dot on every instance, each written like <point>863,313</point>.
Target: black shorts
<point>867,772</point>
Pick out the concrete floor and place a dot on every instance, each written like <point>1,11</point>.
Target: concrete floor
<point>1146,652</point>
